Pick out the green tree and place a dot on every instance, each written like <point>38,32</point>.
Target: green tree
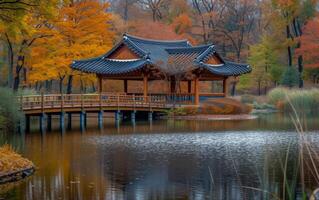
<point>265,66</point>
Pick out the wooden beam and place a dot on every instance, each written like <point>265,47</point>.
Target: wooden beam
<point>125,86</point>
<point>145,85</point>
<point>196,91</point>
<point>225,87</point>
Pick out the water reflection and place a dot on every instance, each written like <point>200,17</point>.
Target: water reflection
<point>162,160</point>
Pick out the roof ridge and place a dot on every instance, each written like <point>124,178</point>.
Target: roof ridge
<point>190,47</point>
<point>88,59</point>
<point>202,56</point>
<point>136,47</point>
<point>154,40</point>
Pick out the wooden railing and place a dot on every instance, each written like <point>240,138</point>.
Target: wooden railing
<point>82,101</point>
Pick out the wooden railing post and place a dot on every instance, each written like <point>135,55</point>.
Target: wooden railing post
<point>134,102</point>
<point>42,102</point>
<point>100,98</point>
<point>62,102</point>
<point>82,103</point>
<point>118,102</point>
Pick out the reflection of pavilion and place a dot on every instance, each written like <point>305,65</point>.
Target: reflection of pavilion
<point>138,59</point>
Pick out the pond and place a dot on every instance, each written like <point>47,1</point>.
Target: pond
<point>165,159</point>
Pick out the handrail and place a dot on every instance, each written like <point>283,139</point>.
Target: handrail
<point>116,100</point>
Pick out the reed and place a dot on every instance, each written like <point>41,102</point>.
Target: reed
<point>303,101</point>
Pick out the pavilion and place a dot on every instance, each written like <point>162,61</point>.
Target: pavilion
<point>139,59</point>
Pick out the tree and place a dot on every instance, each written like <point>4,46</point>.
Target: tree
<point>310,44</point>
<point>294,14</point>
<point>81,31</point>
<point>266,68</point>
<point>155,6</point>
<point>20,23</point>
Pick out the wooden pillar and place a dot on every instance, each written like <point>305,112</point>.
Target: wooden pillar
<point>125,86</point>
<point>196,91</point>
<point>49,122</point>
<point>189,86</point>
<point>225,89</point>
<point>100,84</point>
<point>173,85</point>
<point>145,85</point>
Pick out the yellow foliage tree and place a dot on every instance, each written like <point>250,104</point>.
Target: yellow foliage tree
<point>81,31</point>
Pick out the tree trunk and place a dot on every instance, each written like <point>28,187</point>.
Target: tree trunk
<point>61,85</point>
<point>289,47</point>
<point>69,88</point>
<point>259,88</point>
<point>19,66</point>
<point>10,62</point>
<point>298,33</point>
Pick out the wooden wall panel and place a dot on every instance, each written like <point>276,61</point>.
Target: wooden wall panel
<point>122,53</point>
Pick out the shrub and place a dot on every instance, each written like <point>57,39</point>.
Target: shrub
<point>276,95</point>
<point>224,106</point>
<point>9,109</point>
<point>248,99</point>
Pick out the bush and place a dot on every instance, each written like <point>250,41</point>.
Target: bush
<point>276,95</point>
<point>9,109</point>
<point>248,99</point>
<point>224,106</point>
<point>305,101</point>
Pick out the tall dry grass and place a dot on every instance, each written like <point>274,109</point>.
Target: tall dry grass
<point>11,161</point>
<point>303,101</point>
<point>307,160</point>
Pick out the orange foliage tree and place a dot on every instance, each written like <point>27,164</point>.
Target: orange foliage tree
<point>81,31</point>
<point>310,44</point>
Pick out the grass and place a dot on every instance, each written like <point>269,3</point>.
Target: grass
<point>303,101</point>
<point>11,161</point>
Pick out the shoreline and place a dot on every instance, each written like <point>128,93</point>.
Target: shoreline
<point>207,117</point>
<point>16,175</point>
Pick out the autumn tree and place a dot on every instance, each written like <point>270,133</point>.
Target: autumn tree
<point>310,44</point>
<point>263,58</point>
<point>294,14</point>
<point>20,23</point>
<point>81,31</point>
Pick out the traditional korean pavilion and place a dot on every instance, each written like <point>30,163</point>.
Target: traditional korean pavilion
<point>135,58</point>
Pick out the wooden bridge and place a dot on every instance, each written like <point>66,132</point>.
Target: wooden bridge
<point>54,103</point>
<point>45,106</point>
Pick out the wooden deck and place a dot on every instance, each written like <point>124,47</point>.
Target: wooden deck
<point>56,103</point>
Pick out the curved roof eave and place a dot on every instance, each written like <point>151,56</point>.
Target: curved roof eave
<point>109,66</point>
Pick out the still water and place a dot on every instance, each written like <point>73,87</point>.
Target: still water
<point>165,159</point>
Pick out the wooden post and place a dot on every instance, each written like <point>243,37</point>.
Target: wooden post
<point>196,91</point>
<point>49,122</point>
<point>42,102</point>
<point>125,86</point>
<point>100,84</point>
<point>145,86</point>
<point>173,85</point>
<point>225,91</point>
<point>62,102</point>
<point>189,86</point>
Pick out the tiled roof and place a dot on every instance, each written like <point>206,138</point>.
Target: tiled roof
<point>158,52</point>
<point>227,68</point>
<point>109,66</point>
